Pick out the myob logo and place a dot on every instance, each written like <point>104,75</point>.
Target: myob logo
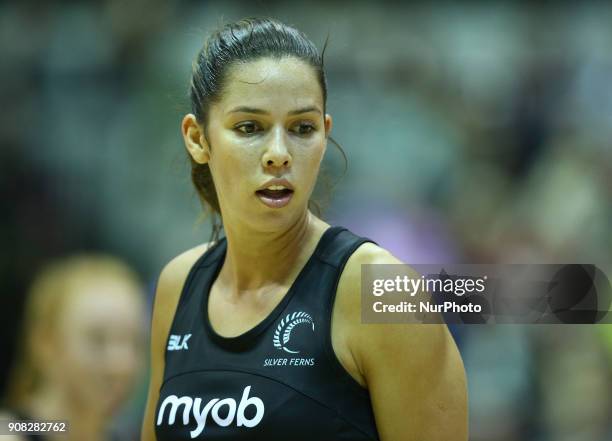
<point>282,335</point>
<point>213,407</point>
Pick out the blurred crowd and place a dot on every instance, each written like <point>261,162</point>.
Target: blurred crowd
<point>475,133</point>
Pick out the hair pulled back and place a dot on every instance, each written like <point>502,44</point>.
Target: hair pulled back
<point>242,41</point>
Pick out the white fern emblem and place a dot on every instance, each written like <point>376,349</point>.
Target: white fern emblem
<point>286,326</point>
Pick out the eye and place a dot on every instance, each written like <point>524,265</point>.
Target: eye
<point>303,128</point>
<point>247,127</point>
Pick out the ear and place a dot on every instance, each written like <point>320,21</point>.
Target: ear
<point>328,124</point>
<point>195,141</point>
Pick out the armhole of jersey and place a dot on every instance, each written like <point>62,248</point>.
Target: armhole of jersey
<point>329,348</point>
<point>186,285</point>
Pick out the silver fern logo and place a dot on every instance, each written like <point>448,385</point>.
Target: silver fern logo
<point>282,335</point>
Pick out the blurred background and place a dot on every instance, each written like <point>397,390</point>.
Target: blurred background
<point>475,133</point>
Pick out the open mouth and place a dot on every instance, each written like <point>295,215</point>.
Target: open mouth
<point>276,198</point>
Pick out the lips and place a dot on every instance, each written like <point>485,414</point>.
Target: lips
<point>275,194</point>
<point>276,198</point>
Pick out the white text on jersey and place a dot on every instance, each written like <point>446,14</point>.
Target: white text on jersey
<point>178,342</point>
<point>213,406</point>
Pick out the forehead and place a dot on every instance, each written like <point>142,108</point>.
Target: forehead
<point>103,302</point>
<point>271,84</point>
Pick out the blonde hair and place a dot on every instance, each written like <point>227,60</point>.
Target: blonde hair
<point>45,302</point>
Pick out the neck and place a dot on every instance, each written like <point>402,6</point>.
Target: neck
<point>50,404</point>
<point>255,259</point>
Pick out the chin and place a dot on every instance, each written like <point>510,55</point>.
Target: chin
<point>278,219</point>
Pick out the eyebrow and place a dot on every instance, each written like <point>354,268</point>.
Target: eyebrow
<point>246,109</point>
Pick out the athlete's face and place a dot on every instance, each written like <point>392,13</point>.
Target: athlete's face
<point>269,124</point>
<point>99,345</point>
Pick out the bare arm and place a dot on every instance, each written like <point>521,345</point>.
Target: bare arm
<point>417,383</point>
<point>414,372</point>
<point>169,287</point>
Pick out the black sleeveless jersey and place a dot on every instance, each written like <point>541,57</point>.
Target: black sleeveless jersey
<point>280,380</point>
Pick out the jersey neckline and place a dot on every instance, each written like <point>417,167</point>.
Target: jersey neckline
<point>241,342</point>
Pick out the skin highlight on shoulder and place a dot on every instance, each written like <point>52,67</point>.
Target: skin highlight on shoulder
<point>346,317</point>
<point>354,340</point>
<point>408,368</point>
<point>176,270</point>
<point>169,287</point>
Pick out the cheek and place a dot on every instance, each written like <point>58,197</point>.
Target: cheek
<point>80,356</point>
<point>308,160</point>
<point>231,168</point>
<point>77,368</point>
<point>90,367</point>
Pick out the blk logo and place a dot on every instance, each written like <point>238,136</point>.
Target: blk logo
<point>178,342</point>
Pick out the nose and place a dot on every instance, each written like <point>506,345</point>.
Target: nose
<point>276,154</point>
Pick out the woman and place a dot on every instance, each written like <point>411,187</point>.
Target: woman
<point>81,347</point>
<point>243,345</point>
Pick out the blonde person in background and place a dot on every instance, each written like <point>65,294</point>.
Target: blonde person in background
<point>81,347</point>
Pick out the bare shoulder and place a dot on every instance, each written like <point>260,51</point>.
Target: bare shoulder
<point>346,318</point>
<point>370,344</point>
<point>410,369</point>
<point>169,287</point>
<point>174,273</point>
<point>179,266</point>
<point>348,296</point>
<point>367,253</point>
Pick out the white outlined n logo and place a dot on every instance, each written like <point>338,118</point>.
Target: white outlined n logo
<point>282,335</point>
